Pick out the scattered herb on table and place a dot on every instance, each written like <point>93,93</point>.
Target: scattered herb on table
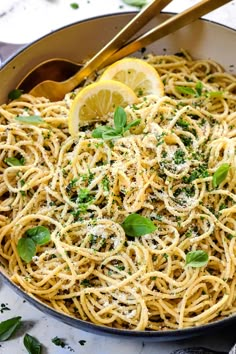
<point>59,342</point>
<point>9,327</point>
<point>120,122</point>
<point>32,344</point>
<point>82,342</point>
<point>74,5</point>
<point>4,308</point>
<point>137,3</point>
<point>136,225</point>
<point>197,259</point>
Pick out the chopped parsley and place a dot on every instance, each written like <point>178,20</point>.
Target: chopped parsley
<point>199,172</point>
<point>182,123</point>
<point>105,184</point>
<point>179,157</point>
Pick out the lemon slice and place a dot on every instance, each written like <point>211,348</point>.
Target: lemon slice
<point>140,76</point>
<point>96,101</point>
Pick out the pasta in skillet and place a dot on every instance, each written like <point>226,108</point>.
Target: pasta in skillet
<point>177,169</point>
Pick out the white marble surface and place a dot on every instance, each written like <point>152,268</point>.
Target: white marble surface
<point>22,21</point>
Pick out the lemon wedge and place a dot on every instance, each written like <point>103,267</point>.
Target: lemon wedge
<point>140,76</point>
<point>96,101</point>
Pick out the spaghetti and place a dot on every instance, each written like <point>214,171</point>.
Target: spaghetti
<point>83,188</point>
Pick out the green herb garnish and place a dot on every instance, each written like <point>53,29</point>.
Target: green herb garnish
<point>26,246</point>
<point>8,327</point>
<point>105,184</point>
<point>199,172</point>
<point>185,90</point>
<point>120,122</point>
<point>14,94</point>
<point>71,185</point>
<point>197,259</point>
<point>39,234</point>
<point>179,157</point>
<point>32,344</point>
<point>30,119</point>
<point>26,249</point>
<point>13,161</point>
<point>83,196</point>
<point>182,123</point>
<point>220,174</point>
<point>85,282</point>
<point>198,88</point>
<point>136,225</point>
<point>213,94</point>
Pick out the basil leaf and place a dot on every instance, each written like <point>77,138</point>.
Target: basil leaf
<point>8,327</point>
<point>32,344</point>
<point>220,174</point>
<point>215,94</point>
<point>137,3</point>
<point>39,234</point>
<point>98,132</point>
<point>120,119</point>
<point>14,94</point>
<point>197,259</point>
<point>198,88</point>
<point>111,135</point>
<point>26,249</point>
<point>132,124</point>
<point>13,161</point>
<point>185,90</point>
<point>30,119</point>
<point>136,225</point>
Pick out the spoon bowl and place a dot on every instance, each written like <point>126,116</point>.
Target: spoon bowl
<point>57,69</point>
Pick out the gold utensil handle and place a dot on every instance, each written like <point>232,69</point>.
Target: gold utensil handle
<point>141,19</point>
<point>172,24</point>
